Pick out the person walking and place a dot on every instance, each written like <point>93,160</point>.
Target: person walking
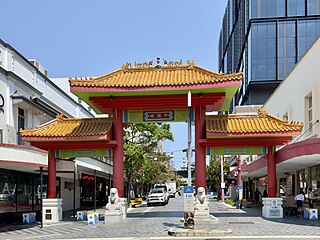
<point>299,201</point>
<point>265,194</point>
<point>257,195</point>
<point>310,197</point>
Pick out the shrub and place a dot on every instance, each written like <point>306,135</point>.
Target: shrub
<point>230,202</point>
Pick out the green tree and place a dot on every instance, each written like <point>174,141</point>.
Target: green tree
<point>143,164</point>
<point>214,172</point>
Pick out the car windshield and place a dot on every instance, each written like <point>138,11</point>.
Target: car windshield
<point>156,190</point>
<point>162,186</point>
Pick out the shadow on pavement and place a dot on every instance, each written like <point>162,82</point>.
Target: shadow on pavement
<point>156,214</point>
<point>257,213</point>
<point>16,227</point>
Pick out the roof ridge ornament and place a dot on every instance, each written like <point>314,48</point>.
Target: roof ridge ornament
<point>172,63</point>
<point>191,64</point>
<point>125,66</point>
<point>262,111</point>
<point>60,116</point>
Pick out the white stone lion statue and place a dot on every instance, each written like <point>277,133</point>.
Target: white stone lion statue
<point>114,206</point>
<point>114,197</point>
<point>201,205</point>
<point>201,195</point>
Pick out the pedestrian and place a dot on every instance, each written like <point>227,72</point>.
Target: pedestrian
<point>310,197</point>
<point>265,194</point>
<point>299,201</point>
<point>257,195</point>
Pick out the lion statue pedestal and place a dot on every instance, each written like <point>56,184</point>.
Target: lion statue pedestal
<point>113,211</point>
<point>201,207</point>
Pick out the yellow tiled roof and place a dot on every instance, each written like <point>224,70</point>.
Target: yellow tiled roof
<point>151,76</point>
<point>261,122</point>
<point>70,127</point>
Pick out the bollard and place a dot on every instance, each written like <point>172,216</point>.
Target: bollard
<point>123,202</point>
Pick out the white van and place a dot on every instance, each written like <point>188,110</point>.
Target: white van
<point>170,188</point>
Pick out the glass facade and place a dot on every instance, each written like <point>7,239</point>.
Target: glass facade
<point>313,7</point>
<point>263,51</point>
<point>267,8</point>
<point>296,8</point>
<point>308,31</point>
<point>20,192</point>
<point>286,48</point>
<point>267,39</point>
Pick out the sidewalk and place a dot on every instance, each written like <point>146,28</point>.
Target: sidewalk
<point>150,222</point>
<point>227,222</point>
<point>249,222</point>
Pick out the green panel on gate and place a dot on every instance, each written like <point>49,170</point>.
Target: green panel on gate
<point>261,150</point>
<point>83,153</point>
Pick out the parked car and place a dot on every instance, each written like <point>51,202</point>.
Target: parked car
<point>158,195</point>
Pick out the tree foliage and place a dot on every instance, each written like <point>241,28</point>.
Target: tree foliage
<point>143,164</point>
<point>214,172</point>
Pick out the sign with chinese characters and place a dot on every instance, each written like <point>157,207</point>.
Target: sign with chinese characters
<point>140,116</point>
<point>152,116</point>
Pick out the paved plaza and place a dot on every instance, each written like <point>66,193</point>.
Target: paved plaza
<point>155,222</point>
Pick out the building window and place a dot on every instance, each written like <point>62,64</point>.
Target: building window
<point>21,124</point>
<point>263,51</point>
<point>296,8</point>
<point>313,7</point>
<point>286,48</point>
<point>267,9</point>
<point>1,136</point>
<point>308,31</point>
<point>309,112</point>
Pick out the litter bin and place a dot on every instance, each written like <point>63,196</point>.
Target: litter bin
<point>123,202</point>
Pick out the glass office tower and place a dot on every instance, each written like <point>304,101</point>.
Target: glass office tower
<point>265,39</point>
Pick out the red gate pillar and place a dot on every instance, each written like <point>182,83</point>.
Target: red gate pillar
<point>52,173</point>
<point>272,173</point>
<point>200,133</point>
<point>118,155</point>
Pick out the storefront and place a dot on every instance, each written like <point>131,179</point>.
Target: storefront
<point>87,190</point>
<point>310,178</point>
<point>20,192</point>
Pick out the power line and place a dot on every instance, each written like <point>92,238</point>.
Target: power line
<point>179,150</point>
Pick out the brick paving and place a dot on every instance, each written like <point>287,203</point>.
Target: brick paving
<point>155,222</point>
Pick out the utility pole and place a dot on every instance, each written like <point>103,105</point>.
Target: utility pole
<point>222,179</point>
<point>189,138</point>
<point>41,194</point>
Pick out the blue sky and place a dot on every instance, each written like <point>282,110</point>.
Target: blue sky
<point>91,38</point>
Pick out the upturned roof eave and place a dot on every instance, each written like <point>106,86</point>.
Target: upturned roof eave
<point>205,87</point>
<point>65,138</point>
<point>254,134</point>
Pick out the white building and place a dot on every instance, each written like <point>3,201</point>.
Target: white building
<point>298,163</point>
<point>29,98</point>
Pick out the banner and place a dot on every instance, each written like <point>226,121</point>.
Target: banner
<point>188,208</point>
